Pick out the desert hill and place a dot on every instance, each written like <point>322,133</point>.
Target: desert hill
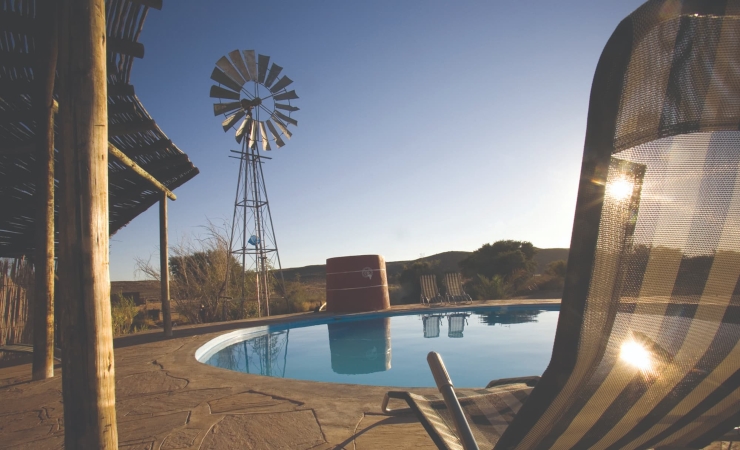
<point>446,262</point>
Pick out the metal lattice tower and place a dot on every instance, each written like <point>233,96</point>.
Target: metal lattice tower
<point>249,92</point>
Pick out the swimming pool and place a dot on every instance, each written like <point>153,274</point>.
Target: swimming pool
<point>477,344</point>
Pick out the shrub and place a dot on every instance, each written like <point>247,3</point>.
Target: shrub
<point>493,288</point>
<point>199,284</point>
<point>123,313</point>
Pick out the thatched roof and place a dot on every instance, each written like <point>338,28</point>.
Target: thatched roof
<point>131,128</point>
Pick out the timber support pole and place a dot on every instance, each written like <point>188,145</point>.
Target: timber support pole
<point>88,374</point>
<point>43,107</point>
<point>164,266</point>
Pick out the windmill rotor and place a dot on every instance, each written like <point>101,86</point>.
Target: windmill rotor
<point>254,98</point>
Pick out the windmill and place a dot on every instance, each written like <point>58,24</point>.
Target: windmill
<point>255,101</point>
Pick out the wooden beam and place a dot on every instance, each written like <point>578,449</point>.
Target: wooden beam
<point>125,216</point>
<point>122,46</point>
<point>156,4</point>
<point>44,108</point>
<point>119,129</point>
<point>88,373</point>
<point>161,170</point>
<point>128,162</point>
<point>164,266</point>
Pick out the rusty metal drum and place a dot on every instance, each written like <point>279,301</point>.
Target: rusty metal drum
<point>356,284</point>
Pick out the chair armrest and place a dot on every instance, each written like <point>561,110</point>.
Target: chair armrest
<point>444,384</point>
<point>400,395</point>
<point>529,381</point>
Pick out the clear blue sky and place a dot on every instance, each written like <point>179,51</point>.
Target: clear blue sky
<point>425,126</point>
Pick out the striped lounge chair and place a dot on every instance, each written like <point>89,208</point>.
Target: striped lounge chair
<point>647,348</point>
<point>429,291</point>
<point>455,292</point>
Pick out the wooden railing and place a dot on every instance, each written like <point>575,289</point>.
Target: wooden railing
<point>16,275</point>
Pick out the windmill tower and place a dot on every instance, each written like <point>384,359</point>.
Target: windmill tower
<point>255,103</point>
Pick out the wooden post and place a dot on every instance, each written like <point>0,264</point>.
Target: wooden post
<point>88,376</point>
<point>43,107</point>
<point>164,265</point>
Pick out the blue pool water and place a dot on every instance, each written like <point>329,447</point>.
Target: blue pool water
<point>477,345</point>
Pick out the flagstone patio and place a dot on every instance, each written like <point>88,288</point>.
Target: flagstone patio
<point>165,399</point>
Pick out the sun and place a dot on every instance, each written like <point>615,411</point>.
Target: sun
<point>619,189</point>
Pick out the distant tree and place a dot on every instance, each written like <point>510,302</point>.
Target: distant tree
<point>502,258</point>
<point>557,268</point>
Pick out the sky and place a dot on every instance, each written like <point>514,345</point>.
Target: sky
<point>424,126</point>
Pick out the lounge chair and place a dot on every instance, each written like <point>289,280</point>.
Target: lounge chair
<point>456,324</point>
<point>429,291</point>
<point>455,292</point>
<point>431,325</point>
<point>647,348</point>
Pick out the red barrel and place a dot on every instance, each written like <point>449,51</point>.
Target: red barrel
<point>356,284</point>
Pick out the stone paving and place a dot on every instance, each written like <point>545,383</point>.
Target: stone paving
<point>165,399</point>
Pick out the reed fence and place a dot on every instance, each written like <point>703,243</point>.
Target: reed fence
<point>16,284</point>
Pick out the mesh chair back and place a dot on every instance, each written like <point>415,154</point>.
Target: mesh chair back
<point>647,350</point>
<point>454,284</point>
<point>429,292</point>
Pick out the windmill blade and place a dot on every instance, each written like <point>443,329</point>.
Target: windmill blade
<point>262,63</point>
<point>231,120</point>
<point>286,119</point>
<point>286,107</point>
<point>225,65</point>
<point>253,134</point>
<point>251,64</point>
<point>265,139</point>
<point>242,129</point>
<point>236,58</point>
<point>220,77</point>
<point>281,84</point>
<point>223,108</point>
<point>282,127</point>
<point>275,134</point>
<point>272,74</point>
<point>290,95</point>
<point>219,92</point>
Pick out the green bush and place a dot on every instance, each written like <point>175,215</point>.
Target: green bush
<point>493,288</point>
<point>123,313</point>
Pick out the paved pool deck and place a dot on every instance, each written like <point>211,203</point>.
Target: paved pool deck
<point>165,399</point>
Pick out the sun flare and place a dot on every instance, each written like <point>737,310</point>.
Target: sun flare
<point>619,189</point>
<point>635,354</point>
